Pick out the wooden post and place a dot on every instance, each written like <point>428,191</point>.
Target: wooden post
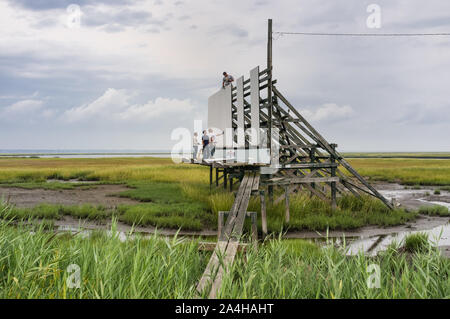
<point>287,217</point>
<point>333,184</point>
<point>225,178</point>
<point>210,176</point>
<point>217,177</point>
<point>269,86</point>
<point>253,216</point>
<point>263,213</point>
<point>220,223</point>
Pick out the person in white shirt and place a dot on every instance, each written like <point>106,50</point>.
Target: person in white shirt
<point>195,145</point>
<point>212,141</point>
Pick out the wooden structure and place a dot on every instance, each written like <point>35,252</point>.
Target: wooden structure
<point>300,160</point>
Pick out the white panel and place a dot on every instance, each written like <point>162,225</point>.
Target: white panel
<point>219,113</point>
<point>240,111</point>
<point>254,102</point>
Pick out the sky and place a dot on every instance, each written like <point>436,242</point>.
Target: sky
<point>130,72</point>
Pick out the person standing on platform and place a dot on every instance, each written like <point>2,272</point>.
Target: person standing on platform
<point>195,145</point>
<point>205,143</point>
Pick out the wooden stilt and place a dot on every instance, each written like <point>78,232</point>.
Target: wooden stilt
<point>287,216</point>
<point>263,213</point>
<point>217,177</point>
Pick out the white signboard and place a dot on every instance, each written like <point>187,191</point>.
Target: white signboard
<point>220,113</point>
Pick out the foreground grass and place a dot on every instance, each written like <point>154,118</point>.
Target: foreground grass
<point>36,265</point>
<point>299,269</point>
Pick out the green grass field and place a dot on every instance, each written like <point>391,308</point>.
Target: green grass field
<point>178,196</point>
<point>41,264</point>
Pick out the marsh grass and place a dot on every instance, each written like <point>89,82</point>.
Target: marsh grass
<point>405,171</point>
<point>48,211</point>
<point>435,210</point>
<point>34,264</point>
<point>314,214</point>
<point>177,196</point>
<point>416,243</point>
<point>299,269</point>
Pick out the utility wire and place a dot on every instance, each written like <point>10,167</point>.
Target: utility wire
<point>364,34</point>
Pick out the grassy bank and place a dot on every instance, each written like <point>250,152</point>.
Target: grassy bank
<point>36,265</point>
<point>177,196</point>
<point>405,171</point>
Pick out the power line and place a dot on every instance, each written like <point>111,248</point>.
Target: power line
<point>364,34</point>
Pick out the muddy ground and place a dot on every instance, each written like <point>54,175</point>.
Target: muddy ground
<point>97,195</point>
<point>106,195</point>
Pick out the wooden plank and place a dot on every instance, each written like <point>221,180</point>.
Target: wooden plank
<point>210,246</point>
<point>226,262</point>
<point>255,186</point>
<point>307,165</point>
<point>300,180</point>
<point>234,209</point>
<point>239,224</point>
<point>254,102</point>
<point>212,267</point>
<point>240,112</point>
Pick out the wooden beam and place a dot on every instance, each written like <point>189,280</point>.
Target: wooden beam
<point>330,150</point>
<point>300,180</point>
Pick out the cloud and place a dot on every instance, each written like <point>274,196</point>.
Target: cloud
<point>327,112</point>
<point>115,105</point>
<point>23,107</point>
<point>59,4</point>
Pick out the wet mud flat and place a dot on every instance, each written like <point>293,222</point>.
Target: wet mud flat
<point>369,239</point>
<point>105,195</point>
<point>411,198</point>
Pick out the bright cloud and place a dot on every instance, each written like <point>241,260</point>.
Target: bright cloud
<point>23,107</point>
<point>115,105</point>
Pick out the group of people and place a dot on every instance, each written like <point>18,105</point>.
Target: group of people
<point>208,144</point>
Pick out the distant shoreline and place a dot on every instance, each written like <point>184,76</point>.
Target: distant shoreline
<point>100,154</point>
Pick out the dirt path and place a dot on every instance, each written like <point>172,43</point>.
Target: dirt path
<point>98,195</point>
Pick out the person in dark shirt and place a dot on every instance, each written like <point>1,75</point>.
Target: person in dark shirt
<point>227,79</point>
<point>205,143</point>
